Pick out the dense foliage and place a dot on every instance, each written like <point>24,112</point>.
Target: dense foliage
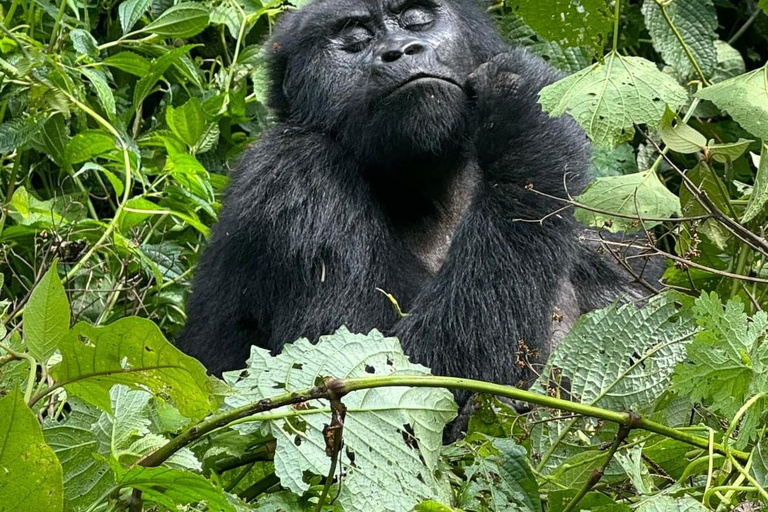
<point>118,121</point>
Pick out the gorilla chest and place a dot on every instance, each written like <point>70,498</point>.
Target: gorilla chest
<point>428,234</point>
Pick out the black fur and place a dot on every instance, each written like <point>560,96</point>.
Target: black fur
<point>358,187</point>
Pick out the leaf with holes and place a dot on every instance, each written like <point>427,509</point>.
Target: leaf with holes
<point>608,98</point>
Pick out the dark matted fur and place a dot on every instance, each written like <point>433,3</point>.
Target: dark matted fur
<point>346,195</point>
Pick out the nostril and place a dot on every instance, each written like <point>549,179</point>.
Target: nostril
<point>413,49</point>
<point>391,55</point>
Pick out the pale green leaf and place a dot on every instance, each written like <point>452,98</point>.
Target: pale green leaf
<point>664,503</point>
<point>680,137</point>
<point>730,63</point>
<point>386,468</point>
<point>568,23</point>
<point>131,351</point>
<point>84,43</point>
<point>745,98</point>
<point>102,88</point>
<point>182,20</point>
<point>696,21</point>
<point>637,195</point>
<point>156,70</point>
<point>130,11</point>
<point>89,144</point>
<point>759,197</point>
<point>187,122</point>
<point>129,62</point>
<point>610,97</point>
<point>46,316</point>
<point>729,150</point>
<point>32,478</point>
<point>16,133</point>
<point>613,162</point>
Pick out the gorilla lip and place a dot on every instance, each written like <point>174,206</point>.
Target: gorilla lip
<point>425,77</point>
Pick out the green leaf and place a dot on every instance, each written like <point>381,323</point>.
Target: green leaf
<point>730,63</point>
<point>638,195</point>
<point>173,487</point>
<point>53,139</point>
<point>46,317</point>
<point>102,88</point>
<point>156,70</point>
<point>763,4</point>
<point>663,503</point>
<point>129,62</point>
<point>610,97</point>
<point>728,151</point>
<point>130,11</point>
<point>613,162</point>
<point>187,122</point>
<point>88,144</point>
<point>16,133</point>
<point>84,43</point>
<point>32,478</point>
<point>696,21</point>
<point>622,357</point>
<point>759,197</point>
<point>568,23</point>
<point>132,351</point>
<point>182,20</point>
<point>725,360</point>
<point>745,97</point>
<point>392,436</point>
<point>680,138</point>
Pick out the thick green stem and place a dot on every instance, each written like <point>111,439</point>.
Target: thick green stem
<point>56,25</point>
<point>616,19</point>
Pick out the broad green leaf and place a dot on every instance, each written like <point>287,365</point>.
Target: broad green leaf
<point>745,98</point>
<point>696,21</point>
<point>663,503</point>
<point>129,62</point>
<point>759,467</point>
<point>622,357</point>
<point>610,97</point>
<point>156,70</point>
<point>613,162</point>
<point>84,43</point>
<point>729,150</point>
<point>130,11</point>
<point>102,88</point>
<point>392,436</point>
<point>187,122</point>
<point>680,137</point>
<point>208,140</point>
<point>88,144</point>
<point>173,487</point>
<point>568,23</point>
<point>763,4</point>
<point>559,500</point>
<point>31,474</point>
<point>53,139</point>
<point>87,477</point>
<point>182,20</point>
<point>759,197</point>
<point>730,63</point>
<point>726,360</point>
<point>16,133</point>
<point>638,195</point>
<point>46,317</point>
<point>131,351</point>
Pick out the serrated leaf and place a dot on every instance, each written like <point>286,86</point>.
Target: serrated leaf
<point>385,470</point>
<point>88,144</point>
<point>173,487</point>
<point>622,357</point>
<point>696,21</point>
<point>663,503</point>
<point>187,122</point>
<point>182,20</point>
<point>32,478</point>
<point>638,195</point>
<point>156,70</point>
<point>208,140</point>
<point>131,351</point>
<point>129,62</point>
<point>745,98</point>
<point>568,23</point>
<point>730,63</point>
<point>102,88</point>
<point>610,97</point>
<point>46,316</point>
<point>86,477</point>
<point>613,162</point>
<point>16,133</point>
<point>759,197</point>
<point>130,11</point>
<point>84,43</point>
<point>53,139</point>
<point>680,137</point>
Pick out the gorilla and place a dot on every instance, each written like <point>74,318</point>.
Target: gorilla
<point>407,144</point>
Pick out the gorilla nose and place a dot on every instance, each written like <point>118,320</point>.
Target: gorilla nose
<point>395,51</point>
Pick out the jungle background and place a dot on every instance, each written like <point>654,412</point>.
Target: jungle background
<point>119,123</point>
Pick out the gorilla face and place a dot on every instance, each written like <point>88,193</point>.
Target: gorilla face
<point>385,77</point>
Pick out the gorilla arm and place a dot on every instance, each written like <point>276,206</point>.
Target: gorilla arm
<point>503,278</point>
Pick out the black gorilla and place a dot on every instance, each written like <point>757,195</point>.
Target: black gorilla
<point>409,137</point>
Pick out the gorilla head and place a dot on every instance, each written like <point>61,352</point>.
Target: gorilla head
<point>385,77</point>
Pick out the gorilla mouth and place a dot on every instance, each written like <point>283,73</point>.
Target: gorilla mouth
<point>421,78</point>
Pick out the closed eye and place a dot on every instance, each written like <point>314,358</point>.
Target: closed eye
<point>416,17</point>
